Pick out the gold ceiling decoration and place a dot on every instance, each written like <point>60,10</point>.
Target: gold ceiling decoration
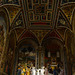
<point>61,31</point>
<point>19,31</point>
<point>40,34</point>
<point>68,11</point>
<point>13,11</point>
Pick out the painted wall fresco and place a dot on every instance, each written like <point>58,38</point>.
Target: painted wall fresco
<point>8,64</point>
<point>10,55</point>
<point>2,34</point>
<point>40,10</point>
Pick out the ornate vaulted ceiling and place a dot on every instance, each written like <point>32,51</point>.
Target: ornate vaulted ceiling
<point>39,18</point>
<point>38,12</point>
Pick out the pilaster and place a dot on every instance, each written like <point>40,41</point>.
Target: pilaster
<point>41,54</point>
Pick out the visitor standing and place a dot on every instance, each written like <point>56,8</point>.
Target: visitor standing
<point>46,71</point>
<point>55,71</point>
<point>19,71</point>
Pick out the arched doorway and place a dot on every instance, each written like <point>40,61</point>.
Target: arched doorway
<point>25,55</point>
<point>54,53</point>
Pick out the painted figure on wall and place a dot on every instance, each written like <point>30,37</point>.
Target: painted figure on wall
<point>7,68</point>
<point>8,64</point>
<point>2,35</point>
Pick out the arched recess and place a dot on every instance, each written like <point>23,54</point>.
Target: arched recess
<point>4,29</point>
<point>53,43</point>
<point>5,15</point>
<point>54,51</point>
<point>24,46</point>
<point>52,34</point>
<point>28,34</point>
<point>10,52</point>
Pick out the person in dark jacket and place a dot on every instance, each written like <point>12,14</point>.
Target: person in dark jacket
<point>55,71</point>
<point>19,71</point>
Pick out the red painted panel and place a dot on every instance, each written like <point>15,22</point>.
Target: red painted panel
<point>40,23</point>
<point>27,34</point>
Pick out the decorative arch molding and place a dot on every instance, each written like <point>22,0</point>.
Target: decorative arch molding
<point>28,34</point>
<point>52,34</point>
<point>10,8</point>
<point>67,4</point>
<point>5,30</point>
<point>66,32</point>
<point>73,21</point>
<point>54,44</point>
<point>13,32</point>
<point>53,38</point>
<point>4,13</point>
<point>28,40</point>
<point>10,5</point>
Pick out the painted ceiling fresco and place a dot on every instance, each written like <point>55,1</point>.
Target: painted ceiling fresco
<point>9,2</point>
<point>13,12</point>
<point>68,11</point>
<point>61,31</point>
<point>62,21</point>
<point>34,20</point>
<point>39,12</point>
<point>18,21</point>
<point>40,34</point>
<point>66,1</point>
<point>41,17</point>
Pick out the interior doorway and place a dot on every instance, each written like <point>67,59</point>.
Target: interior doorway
<point>54,54</point>
<point>26,56</point>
